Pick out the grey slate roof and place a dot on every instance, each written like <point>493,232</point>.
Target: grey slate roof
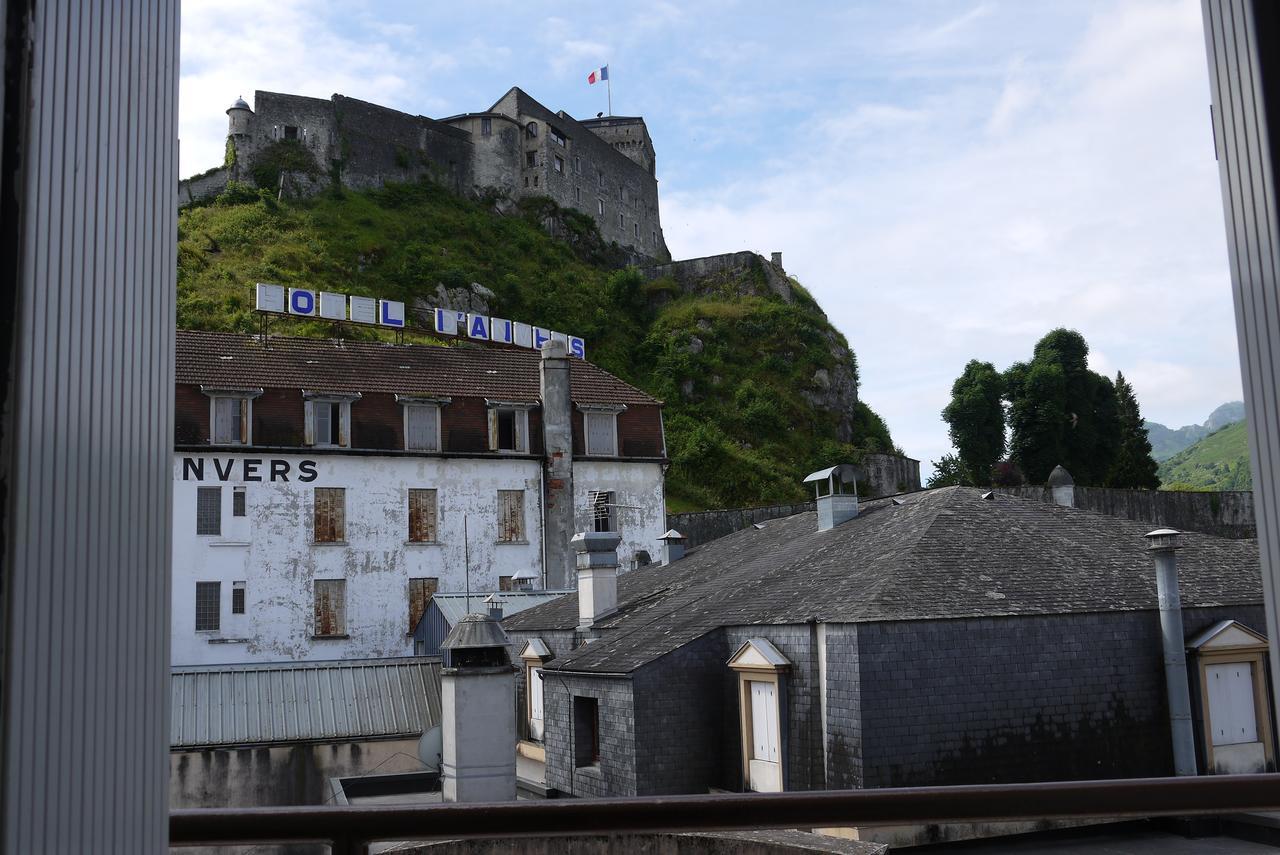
<point>453,606</point>
<point>279,703</point>
<point>944,554</point>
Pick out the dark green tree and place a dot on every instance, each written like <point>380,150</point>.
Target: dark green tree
<point>975,420</point>
<point>947,472</point>
<point>1134,467</point>
<point>1060,412</point>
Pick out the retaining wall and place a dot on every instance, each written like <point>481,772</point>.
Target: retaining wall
<point>1225,513</point>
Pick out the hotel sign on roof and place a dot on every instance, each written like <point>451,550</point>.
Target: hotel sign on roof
<point>304,302</point>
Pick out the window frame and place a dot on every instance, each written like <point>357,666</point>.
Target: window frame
<point>239,502</point>
<point>209,491</point>
<point>339,585</point>
<point>586,710</point>
<point>486,126</point>
<point>339,528</point>
<point>557,137</point>
<point>435,515</point>
<point>206,586</point>
<point>238,596</point>
<point>558,164</point>
<point>517,537</point>
<point>589,410</point>
<point>343,401</point>
<point>409,402</point>
<point>246,398</point>
<point>611,510</point>
<point>522,440</point>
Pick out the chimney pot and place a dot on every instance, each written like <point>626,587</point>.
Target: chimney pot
<point>1062,487</point>
<point>597,561</point>
<point>672,546</point>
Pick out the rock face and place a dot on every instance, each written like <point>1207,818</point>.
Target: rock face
<point>473,298</point>
<point>748,274</point>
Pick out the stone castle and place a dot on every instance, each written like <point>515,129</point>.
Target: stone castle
<point>604,167</point>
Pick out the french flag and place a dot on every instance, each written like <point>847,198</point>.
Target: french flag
<point>598,75</point>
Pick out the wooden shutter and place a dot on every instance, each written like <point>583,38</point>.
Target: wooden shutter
<point>764,722</point>
<point>510,516</point>
<point>421,424</point>
<point>493,429</point>
<point>600,433</point>
<point>420,593</point>
<point>1231,703</point>
<point>309,422</point>
<point>422,516</point>
<point>331,607</point>
<point>535,703</point>
<point>330,514</point>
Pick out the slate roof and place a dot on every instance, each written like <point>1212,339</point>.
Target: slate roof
<point>945,553</point>
<point>233,360</point>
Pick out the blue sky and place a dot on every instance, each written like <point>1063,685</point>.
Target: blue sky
<point>950,179</point>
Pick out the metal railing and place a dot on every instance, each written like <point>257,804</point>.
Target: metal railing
<point>348,830</point>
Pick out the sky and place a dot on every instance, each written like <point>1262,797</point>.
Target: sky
<point>951,180</point>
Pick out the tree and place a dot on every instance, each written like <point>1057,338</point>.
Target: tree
<point>1060,412</point>
<point>947,472</point>
<point>975,420</point>
<point>1134,467</point>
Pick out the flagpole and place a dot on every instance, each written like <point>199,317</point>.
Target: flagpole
<point>609,87</point>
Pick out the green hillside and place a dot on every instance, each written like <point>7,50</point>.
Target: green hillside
<point>1220,461</point>
<point>748,406</point>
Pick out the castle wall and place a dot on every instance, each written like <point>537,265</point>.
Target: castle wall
<point>629,136</point>
<point>496,155</point>
<point>203,186</point>
<point>380,145</point>
<point>274,112</point>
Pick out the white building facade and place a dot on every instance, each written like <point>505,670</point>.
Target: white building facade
<point>310,531</point>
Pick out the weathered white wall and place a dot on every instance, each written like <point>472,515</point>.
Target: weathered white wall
<point>638,485</point>
<point>271,549</point>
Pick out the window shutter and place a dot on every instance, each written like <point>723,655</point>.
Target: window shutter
<point>330,607</point>
<point>423,430</point>
<point>422,516</point>
<point>493,429</point>
<point>420,593</point>
<point>309,422</point>
<point>243,407</point>
<point>600,433</point>
<point>228,427</point>
<point>344,424</point>
<point>510,515</point>
<point>330,514</point>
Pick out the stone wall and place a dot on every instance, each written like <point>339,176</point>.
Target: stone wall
<point>704,526</point>
<point>1225,514</point>
<point>379,144</point>
<point>203,186</point>
<point>889,474</point>
<point>735,273</point>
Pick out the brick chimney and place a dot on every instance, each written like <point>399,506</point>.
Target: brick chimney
<point>557,442</point>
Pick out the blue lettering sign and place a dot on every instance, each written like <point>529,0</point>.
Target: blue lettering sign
<point>446,322</point>
<point>540,337</point>
<point>390,314</point>
<point>302,301</point>
<point>577,347</point>
<point>478,327</point>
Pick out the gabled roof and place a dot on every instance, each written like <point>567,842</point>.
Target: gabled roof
<point>1227,634</point>
<point>283,703</point>
<point>233,360</point>
<point>945,554</point>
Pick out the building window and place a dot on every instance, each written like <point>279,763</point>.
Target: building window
<point>331,608</point>
<point>531,130</point>
<point>604,510</point>
<point>535,703</point>
<point>237,598</point>
<point>230,421</point>
<point>600,207</point>
<point>486,127</point>
<point>237,502</point>
<point>506,583</point>
<point>761,669</point>
<point>600,177</point>
<point>511,516</point>
<point>577,165</point>
<point>526,181</point>
<point>535,181</point>
<point>422,427</point>
<point>655,238</point>
<point>208,606</point>
<point>422,516</point>
<point>577,195</point>
<point>556,136</point>
<point>330,514</point>
<point>621,223</point>
<point>420,593</point>
<point>328,422</point>
<point>290,132</point>
<point>559,164</point>
<point>209,510</point>
<point>601,432</point>
<point>636,226</point>
<point>586,731</point>
<point>509,429</point>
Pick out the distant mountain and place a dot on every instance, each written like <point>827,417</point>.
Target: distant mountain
<point>1166,441</point>
<point>1220,461</point>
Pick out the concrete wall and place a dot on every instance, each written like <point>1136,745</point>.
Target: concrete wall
<point>272,550</point>
<point>639,486</point>
<point>889,474</point>
<point>1225,514</point>
<point>704,526</point>
<point>281,774</point>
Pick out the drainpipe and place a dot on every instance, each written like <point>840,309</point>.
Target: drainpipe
<point>1161,545</point>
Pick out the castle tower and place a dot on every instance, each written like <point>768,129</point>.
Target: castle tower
<point>238,116</point>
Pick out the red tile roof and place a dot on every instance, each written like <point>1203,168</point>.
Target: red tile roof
<point>233,360</point>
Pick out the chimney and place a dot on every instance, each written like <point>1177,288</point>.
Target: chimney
<point>776,258</point>
<point>1063,487</point>
<point>836,490</point>
<point>524,579</point>
<point>597,553</point>
<point>477,694</point>
<point>1161,545</point>
<point>494,604</point>
<point>557,442</point>
<point>672,546</point>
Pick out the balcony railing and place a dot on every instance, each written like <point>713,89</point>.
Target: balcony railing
<point>348,830</point>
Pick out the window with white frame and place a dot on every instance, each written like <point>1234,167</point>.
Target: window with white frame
<point>509,427</point>
<point>535,703</point>
<point>230,415</point>
<point>328,419</point>
<point>601,431</point>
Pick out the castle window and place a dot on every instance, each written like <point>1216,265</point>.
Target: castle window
<point>486,127</point>
<point>577,165</point>
<point>535,181</point>
<point>531,130</point>
<point>530,158</point>
<point>290,132</point>
<point>600,177</point>
<point>655,237</point>
<point>557,137</point>
<point>600,207</point>
<point>636,226</point>
<point>621,223</point>
<point>577,194</point>
<point>559,164</point>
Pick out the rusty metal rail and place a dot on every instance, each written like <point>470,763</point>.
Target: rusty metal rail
<point>349,829</point>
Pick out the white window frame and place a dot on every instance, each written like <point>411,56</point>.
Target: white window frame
<point>589,410</point>
<point>408,402</point>
<point>344,402</point>
<point>246,420</point>
<point>521,410</point>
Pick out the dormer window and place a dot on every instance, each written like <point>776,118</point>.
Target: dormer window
<point>422,422</point>
<point>600,428</point>
<point>509,426</point>
<point>230,415</point>
<point>328,418</point>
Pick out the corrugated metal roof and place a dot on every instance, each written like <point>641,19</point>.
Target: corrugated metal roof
<point>236,705</point>
<point>454,606</point>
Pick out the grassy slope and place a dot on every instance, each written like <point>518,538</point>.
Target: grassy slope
<point>746,436</point>
<point>1220,461</point>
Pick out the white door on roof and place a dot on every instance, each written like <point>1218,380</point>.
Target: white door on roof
<point>1233,725</point>
<point>764,769</point>
<point>535,704</point>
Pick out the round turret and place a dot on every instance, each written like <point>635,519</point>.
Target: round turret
<point>238,116</point>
